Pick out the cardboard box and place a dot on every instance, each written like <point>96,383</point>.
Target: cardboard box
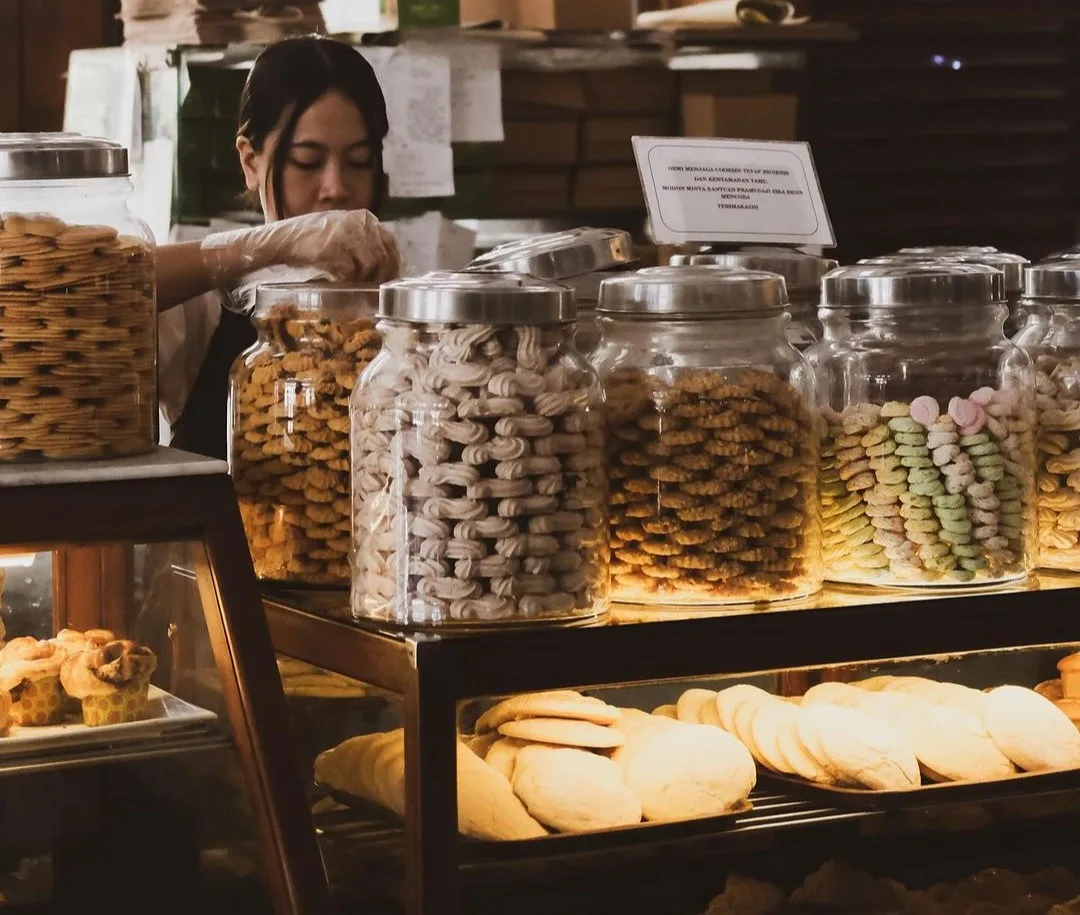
<point>606,138</point>
<point>576,15</point>
<point>477,11</point>
<point>531,192</point>
<point>562,91</point>
<point>748,117</point>
<point>607,187</point>
<point>542,142</point>
<point>631,90</point>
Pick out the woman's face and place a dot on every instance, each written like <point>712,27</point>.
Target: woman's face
<point>329,164</point>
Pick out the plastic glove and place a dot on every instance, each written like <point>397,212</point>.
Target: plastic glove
<point>344,244</point>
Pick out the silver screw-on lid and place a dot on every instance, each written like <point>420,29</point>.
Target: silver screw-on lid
<point>561,255</point>
<point>1055,280</point>
<point>693,292</point>
<point>897,285</point>
<point>335,300</point>
<point>477,298</point>
<point>948,250</point>
<point>1066,254</point>
<point>1011,265</point>
<point>800,271</point>
<point>42,156</point>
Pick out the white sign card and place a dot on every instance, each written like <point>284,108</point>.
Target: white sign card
<point>721,190</point>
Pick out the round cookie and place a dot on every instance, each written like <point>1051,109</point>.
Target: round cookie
<point>843,694</point>
<point>953,745</point>
<point>765,731</point>
<point>858,749</point>
<point>684,771</point>
<point>688,706</point>
<point>481,743</point>
<point>794,752</point>
<point>728,702</point>
<point>557,704</point>
<point>1032,731</point>
<point>573,790</point>
<point>744,722</point>
<point>666,711</point>
<point>502,757</point>
<point>564,732</point>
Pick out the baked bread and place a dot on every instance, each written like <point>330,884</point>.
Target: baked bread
<point>728,702</point>
<point>688,706</point>
<point>367,767</point>
<point>953,745</point>
<point>1029,729</point>
<point>630,719</point>
<point>830,693</point>
<point>502,757</point>
<point>765,730</point>
<point>667,711</point>
<point>563,732</point>
<point>573,790</point>
<point>857,750</point>
<point>558,704</point>
<point>681,771</point>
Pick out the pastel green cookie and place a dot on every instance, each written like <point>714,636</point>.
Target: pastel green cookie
<point>888,462</point>
<point>1011,507</point>
<point>966,550</point>
<point>916,514</point>
<point>961,575</point>
<point>875,436</point>
<point>952,515</point>
<point>908,439</point>
<point>989,460</point>
<point>904,424</point>
<point>911,451</point>
<point>917,463</point>
<point>980,450</point>
<point>967,441</point>
<point>973,565</point>
<point>1011,519</point>
<point>923,475</point>
<point>955,536</point>
<point>935,488</point>
<point>956,526</point>
<point>1009,532</point>
<point>950,500</point>
<point>991,473</point>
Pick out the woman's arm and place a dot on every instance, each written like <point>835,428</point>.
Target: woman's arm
<point>348,245</point>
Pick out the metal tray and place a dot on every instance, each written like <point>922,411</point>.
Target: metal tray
<point>560,842</point>
<point>926,795</point>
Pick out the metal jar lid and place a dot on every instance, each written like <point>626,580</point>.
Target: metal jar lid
<point>693,292</point>
<point>560,255</point>
<point>889,260</point>
<point>1055,280</point>
<point>1065,254</point>
<point>949,250</point>
<point>335,300</point>
<point>1011,265</point>
<point>44,156</point>
<point>800,271</point>
<point>477,298</point>
<point>943,284</point>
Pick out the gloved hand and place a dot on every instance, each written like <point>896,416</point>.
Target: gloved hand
<point>345,244</point>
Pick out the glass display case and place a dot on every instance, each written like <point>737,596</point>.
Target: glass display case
<point>144,741</point>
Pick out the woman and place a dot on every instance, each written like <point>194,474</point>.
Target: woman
<point>312,124</point>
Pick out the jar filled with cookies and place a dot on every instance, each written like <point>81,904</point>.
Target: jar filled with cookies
<point>927,471</point>
<point>78,345</point>
<point>1054,343</point>
<point>289,427</point>
<point>802,275</point>
<point>579,258</point>
<point>479,482</point>
<point>713,442</point>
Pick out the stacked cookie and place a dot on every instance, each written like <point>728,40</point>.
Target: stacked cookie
<point>478,478</point>
<point>712,487</point>
<point>912,493</point>
<point>289,448</point>
<point>78,350</point>
<point>1059,461</point>
<point>891,733</point>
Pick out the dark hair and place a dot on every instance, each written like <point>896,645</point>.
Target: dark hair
<point>290,76</point>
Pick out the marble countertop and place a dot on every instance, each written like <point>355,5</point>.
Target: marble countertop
<point>157,464</point>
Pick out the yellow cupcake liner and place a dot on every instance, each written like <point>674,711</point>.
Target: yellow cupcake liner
<point>126,704</point>
<point>37,702</point>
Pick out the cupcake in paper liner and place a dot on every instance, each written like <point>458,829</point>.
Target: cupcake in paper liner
<point>30,672</point>
<point>75,642</point>
<point>111,681</point>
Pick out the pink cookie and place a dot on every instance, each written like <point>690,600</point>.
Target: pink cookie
<point>925,410</point>
<point>967,414</point>
<point>983,396</point>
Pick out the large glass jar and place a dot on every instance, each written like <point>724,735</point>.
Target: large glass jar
<point>1053,339</point>
<point>927,469</point>
<point>289,427</point>
<point>479,481</point>
<point>78,338</point>
<point>580,258</point>
<point>801,272</point>
<point>713,441</point>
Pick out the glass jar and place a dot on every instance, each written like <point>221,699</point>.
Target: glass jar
<point>289,427</point>
<point>78,339</point>
<point>580,258</point>
<point>927,468</point>
<point>1054,343</point>
<point>713,442</point>
<point>802,274</point>
<point>948,250</point>
<point>479,480</point>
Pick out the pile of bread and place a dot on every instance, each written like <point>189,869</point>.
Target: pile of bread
<point>300,679</point>
<point>563,762</point>
<point>892,733</point>
<point>841,889</point>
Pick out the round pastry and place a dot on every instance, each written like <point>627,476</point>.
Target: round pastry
<point>857,750</point>
<point>1069,667</point>
<point>30,672</point>
<point>688,708</point>
<point>502,757</point>
<point>112,681</point>
<point>564,733</point>
<point>74,641</point>
<point>1029,729</point>
<point>1051,689</point>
